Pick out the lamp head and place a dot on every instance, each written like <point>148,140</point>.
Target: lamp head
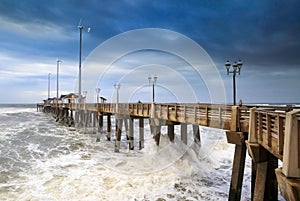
<point>88,29</point>
<point>227,65</point>
<point>235,66</point>
<point>155,78</point>
<point>239,64</point>
<point>117,86</point>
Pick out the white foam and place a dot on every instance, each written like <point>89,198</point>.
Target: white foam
<point>93,171</point>
<point>106,175</point>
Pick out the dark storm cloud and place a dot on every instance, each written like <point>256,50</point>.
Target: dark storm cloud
<point>264,34</point>
<point>259,31</point>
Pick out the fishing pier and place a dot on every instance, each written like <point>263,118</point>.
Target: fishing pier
<point>268,133</point>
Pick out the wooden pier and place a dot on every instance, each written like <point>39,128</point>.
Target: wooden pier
<point>268,133</point>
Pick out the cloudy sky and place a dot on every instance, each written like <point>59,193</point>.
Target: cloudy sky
<point>263,34</point>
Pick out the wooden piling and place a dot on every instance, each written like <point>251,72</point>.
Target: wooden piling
<point>108,136</point>
<point>171,132</point>
<point>196,131</point>
<point>85,120</point>
<point>130,134</point>
<point>118,134</point>
<point>126,128</point>
<point>100,122</point>
<point>71,122</point>
<point>94,119</point>
<point>76,118</point>
<point>100,126</point>
<point>237,138</point>
<point>266,187</point>
<point>157,130</point>
<point>184,132</point>
<point>141,133</point>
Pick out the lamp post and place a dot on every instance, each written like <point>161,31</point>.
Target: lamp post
<point>236,68</point>
<point>117,87</point>
<point>80,27</point>
<point>97,91</point>
<point>49,75</point>
<point>152,80</point>
<point>57,78</point>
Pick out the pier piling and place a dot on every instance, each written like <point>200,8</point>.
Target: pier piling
<point>141,133</point>
<point>119,123</point>
<point>130,133</point>
<point>108,136</point>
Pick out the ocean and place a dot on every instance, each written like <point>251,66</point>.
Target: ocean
<point>43,160</point>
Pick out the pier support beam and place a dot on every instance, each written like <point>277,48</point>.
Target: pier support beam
<point>264,185</point>
<point>156,134</point>
<point>71,122</point>
<point>184,132</point>
<point>100,127</point>
<point>94,117</point>
<point>237,138</point>
<point>85,120</point>
<point>76,118</point>
<point>108,136</point>
<point>126,121</point>
<point>118,134</point>
<point>130,134</point>
<point>289,187</point>
<point>196,131</point>
<point>141,133</point>
<point>171,132</point>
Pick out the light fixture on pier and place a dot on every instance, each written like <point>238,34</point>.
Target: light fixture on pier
<point>88,29</point>
<point>236,68</point>
<point>98,92</point>
<point>57,78</point>
<point>49,75</point>
<point>117,87</point>
<point>152,80</point>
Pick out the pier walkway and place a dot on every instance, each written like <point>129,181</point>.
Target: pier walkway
<point>268,133</point>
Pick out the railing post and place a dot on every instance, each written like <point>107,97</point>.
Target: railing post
<point>290,166</point>
<point>235,119</point>
<point>253,126</point>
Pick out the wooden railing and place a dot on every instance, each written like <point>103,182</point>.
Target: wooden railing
<point>270,128</point>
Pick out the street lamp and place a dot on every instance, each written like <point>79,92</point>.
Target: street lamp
<point>152,80</point>
<point>236,68</point>
<point>57,78</point>
<point>97,91</point>
<point>117,87</point>
<point>49,75</point>
<point>80,53</point>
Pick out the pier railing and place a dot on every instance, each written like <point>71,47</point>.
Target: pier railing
<point>270,128</point>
